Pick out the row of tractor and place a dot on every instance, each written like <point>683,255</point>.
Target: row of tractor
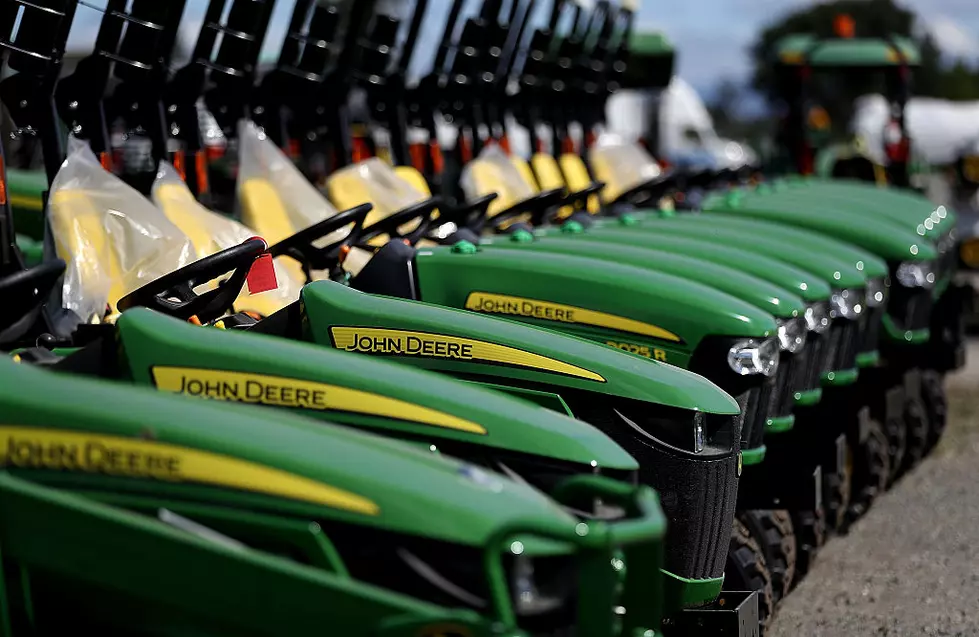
<point>479,393</point>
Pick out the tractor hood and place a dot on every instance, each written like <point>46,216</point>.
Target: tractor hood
<point>808,286</point>
<point>775,300</point>
<point>835,271</point>
<point>117,437</point>
<point>862,259</point>
<point>883,239</point>
<point>908,206</point>
<point>596,299</point>
<point>350,389</point>
<point>893,213</point>
<point>452,340</point>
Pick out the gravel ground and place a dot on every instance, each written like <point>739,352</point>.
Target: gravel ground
<point>911,566</point>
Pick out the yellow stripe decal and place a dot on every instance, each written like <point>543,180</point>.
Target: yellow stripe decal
<point>61,450</point>
<point>547,311</point>
<point>280,391</point>
<point>26,202</point>
<point>426,345</point>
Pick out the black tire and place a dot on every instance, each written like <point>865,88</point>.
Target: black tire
<point>872,468</point>
<point>916,421</point>
<point>810,535</point>
<point>773,531</point>
<point>936,404</point>
<point>746,570</point>
<point>836,491</point>
<point>896,431</point>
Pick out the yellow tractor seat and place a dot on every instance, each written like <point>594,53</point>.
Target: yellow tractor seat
<point>210,233</point>
<point>550,177</point>
<point>631,175</point>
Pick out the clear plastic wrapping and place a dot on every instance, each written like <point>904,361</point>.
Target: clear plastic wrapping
<point>261,164</point>
<point>211,232</point>
<point>376,182</point>
<point>494,172</point>
<point>111,237</point>
<point>621,165</point>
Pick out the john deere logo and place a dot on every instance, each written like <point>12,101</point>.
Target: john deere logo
<point>80,452</point>
<point>281,391</point>
<point>391,342</point>
<point>560,313</point>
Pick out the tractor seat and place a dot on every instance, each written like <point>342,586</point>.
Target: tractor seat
<point>374,181</point>
<point>631,175</point>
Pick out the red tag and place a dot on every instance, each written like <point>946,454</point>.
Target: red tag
<point>261,276</point>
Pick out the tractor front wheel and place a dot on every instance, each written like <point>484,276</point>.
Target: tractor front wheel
<point>916,419</point>
<point>746,570</point>
<point>872,467</point>
<point>936,404</point>
<point>773,531</point>
<point>810,535</point>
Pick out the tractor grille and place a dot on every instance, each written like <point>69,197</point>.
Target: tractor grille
<point>833,339</point>
<point>699,500</point>
<point>871,329</point>
<point>788,382</point>
<point>698,491</point>
<point>910,308</point>
<point>755,410</point>
<point>846,351</point>
<point>816,343</point>
<point>752,433</point>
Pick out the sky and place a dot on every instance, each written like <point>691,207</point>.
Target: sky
<point>712,36</point>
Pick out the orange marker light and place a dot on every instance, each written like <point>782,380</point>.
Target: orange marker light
<point>844,26</point>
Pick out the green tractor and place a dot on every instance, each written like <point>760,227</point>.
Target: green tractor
<point>165,514</point>
<point>806,133</point>
<point>144,347</point>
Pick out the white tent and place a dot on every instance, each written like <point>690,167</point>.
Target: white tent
<point>939,129</point>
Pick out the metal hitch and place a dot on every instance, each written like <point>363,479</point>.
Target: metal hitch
<point>733,614</point>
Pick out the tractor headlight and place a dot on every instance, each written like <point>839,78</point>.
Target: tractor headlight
<point>817,317</point>
<point>847,304</point>
<point>792,335</point>
<point>916,274</point>
<point>750,357</point>
<point>876,292</point>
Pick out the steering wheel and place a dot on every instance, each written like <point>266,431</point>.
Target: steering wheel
<point>423,210</point>
<point>471,215</point>
<point>24,291</point>
<point>650,191</point>
<point>173,293</point>
<point>537,206</point>
<point>300,246</point>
